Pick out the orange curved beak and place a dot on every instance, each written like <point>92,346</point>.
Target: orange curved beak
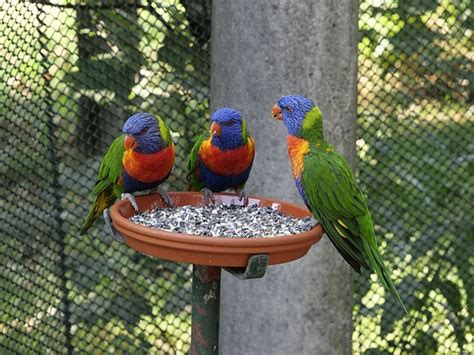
<point>215,129</point>
<point>130,142</point>
<point>276,112</point>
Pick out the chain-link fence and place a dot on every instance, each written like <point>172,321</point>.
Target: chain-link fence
<point>71,74</point>
<point>72,71</point>
<point>415,146</point>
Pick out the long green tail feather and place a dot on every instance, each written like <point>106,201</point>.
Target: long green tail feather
<point>90,218</point>
<point>375,260</point>
<point>98,204</point>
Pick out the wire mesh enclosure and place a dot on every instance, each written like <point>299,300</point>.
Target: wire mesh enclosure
<point>415,129</point>
<point>73,71</point>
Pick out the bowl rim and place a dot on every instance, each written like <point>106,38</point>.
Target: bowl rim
<point>149,234</point>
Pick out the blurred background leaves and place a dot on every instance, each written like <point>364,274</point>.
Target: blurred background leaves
<point>415,130</point>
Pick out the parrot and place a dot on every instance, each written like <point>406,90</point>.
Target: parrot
<point>139,159</point>
<point>327,186</point>
<point>222,157</point>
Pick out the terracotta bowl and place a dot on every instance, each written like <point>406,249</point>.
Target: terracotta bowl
<point>215,251</point>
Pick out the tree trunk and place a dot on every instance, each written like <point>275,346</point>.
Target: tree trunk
<point>261,51</point>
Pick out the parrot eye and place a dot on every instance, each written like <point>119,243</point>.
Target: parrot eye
<point>143,131</point>
<point>289,109</point>
<point>227,123</point>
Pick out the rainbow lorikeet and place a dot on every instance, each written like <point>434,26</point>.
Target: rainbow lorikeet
<point>325,182</point>
<point>221,159</point>
<point>139,159</point>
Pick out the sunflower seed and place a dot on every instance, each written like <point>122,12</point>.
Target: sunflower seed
<point>231,221</point>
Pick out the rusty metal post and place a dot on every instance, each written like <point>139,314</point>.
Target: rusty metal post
<point>205,313</point>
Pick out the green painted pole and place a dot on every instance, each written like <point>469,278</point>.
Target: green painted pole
<point>205,310</point>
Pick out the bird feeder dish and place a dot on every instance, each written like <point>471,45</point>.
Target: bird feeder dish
<point>211,251</point>
<point>245,258</point>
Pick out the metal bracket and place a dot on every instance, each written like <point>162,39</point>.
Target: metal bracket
<point>255,269</point>
<point>109,227</point>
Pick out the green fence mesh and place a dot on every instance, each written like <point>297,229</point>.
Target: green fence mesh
<point>72,71</point>
<point>415,144</point>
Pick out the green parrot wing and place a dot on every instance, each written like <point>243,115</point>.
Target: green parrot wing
<point>108,187</point>
<point>194,182</point>
<point>340,207</point>
<point>336,202</point>
<point>331,182</point>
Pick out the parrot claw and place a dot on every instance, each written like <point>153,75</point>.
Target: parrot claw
<point>243,196</point>
<point>131,199</point>
<point>208,196</point>
<point>108,225</point>
<point>166,198</point>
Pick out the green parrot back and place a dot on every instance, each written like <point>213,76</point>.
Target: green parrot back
<point>108,187</point>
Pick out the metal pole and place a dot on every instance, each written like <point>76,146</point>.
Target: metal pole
<point>205,313</point>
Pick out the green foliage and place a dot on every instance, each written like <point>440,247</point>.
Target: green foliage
<point>414,166</point>
<point>423,45</point>
<point>422,214</point>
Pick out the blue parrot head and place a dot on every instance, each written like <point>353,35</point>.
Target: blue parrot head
<point>226,129</point>
<point>292,111</point>
<point>142,133</point>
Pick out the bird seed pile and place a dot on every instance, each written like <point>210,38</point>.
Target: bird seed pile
<point>225,221</point>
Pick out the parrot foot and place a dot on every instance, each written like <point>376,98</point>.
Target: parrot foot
<point>208,196</point>
<point>166,198</point>
<point>131,199</point>
<point>243,196</point>
<point>108,225</point>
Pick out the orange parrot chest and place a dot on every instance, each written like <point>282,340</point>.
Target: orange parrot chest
<point>297,149</point>
<point>149,167</point>
<point>227,162</point>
